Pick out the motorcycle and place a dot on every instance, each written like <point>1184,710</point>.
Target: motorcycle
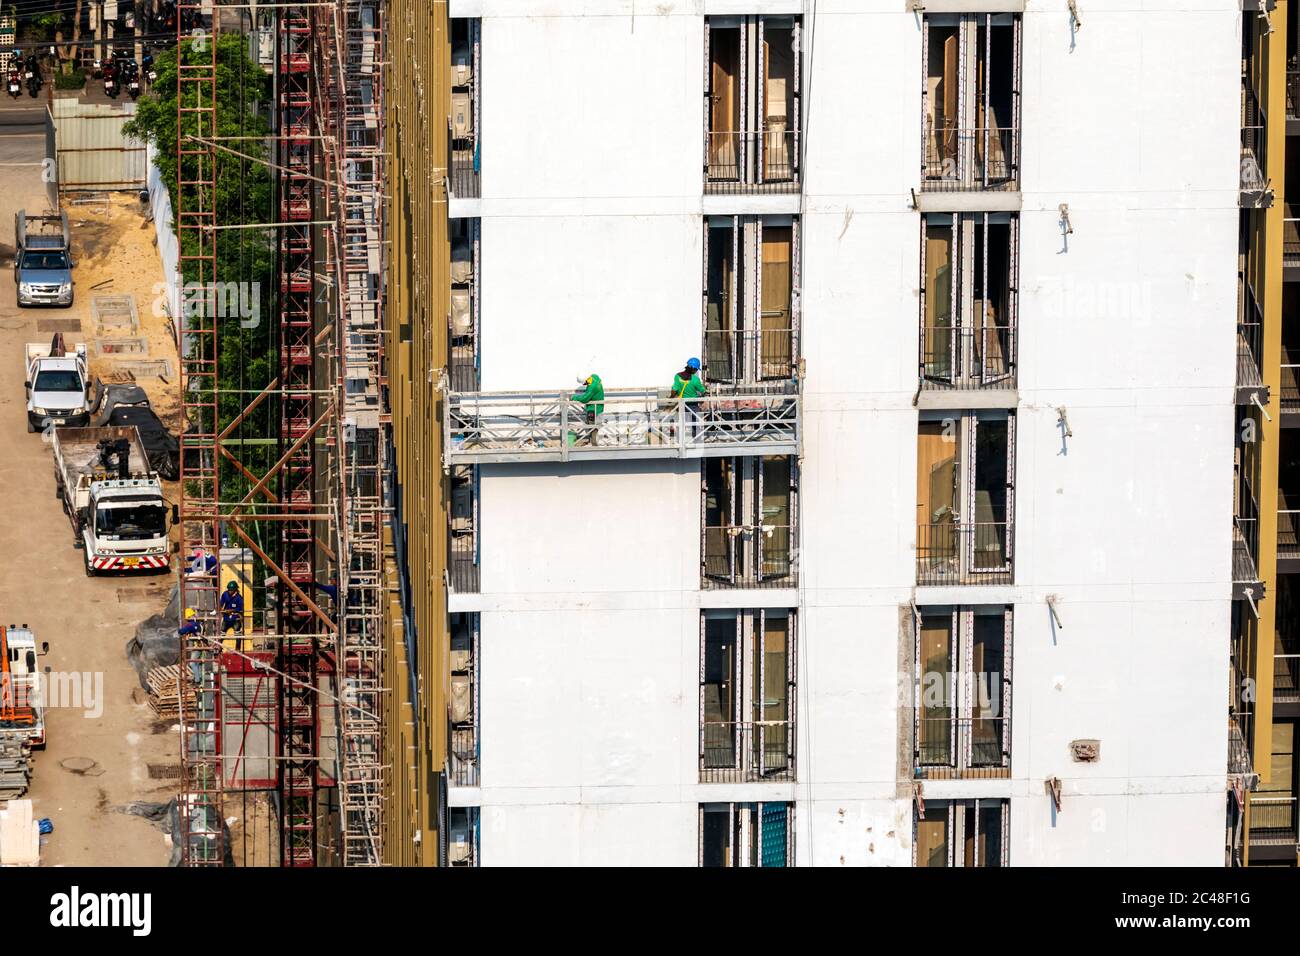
<point>110,80</point>
<point>147,65</point>
<point>132,79</point>
<point>33,75</point>
<point>15,86</point>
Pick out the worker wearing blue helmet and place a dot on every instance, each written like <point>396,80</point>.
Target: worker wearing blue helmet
<point>687,382</point>
<point>688,385</point>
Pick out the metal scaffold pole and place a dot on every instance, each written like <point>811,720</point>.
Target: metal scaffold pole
<point>304,503</point>
<point>350,57</point>
<point>200,803</point>
<point>300,649</point>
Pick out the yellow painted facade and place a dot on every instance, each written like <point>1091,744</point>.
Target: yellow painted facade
<point>415,344</point>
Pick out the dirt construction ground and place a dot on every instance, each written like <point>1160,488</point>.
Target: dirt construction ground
<point>110,751</point>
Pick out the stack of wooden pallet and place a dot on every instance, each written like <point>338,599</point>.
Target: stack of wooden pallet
<point>15,765</point>
<point>165,691</point>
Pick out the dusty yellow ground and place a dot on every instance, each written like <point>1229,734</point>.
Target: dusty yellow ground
<point>93,763</point>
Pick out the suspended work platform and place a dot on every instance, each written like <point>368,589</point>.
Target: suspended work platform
<point>507,427</point>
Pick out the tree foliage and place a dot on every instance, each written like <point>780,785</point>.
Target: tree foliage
<point>244,194</point>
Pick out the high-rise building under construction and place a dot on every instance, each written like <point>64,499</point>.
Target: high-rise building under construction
<point>974,549</point>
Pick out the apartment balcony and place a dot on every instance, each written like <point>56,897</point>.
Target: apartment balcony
<point>1286,665</point>
<point>1288,534</point>
<point>1239,762</point>
<point>1290,242</point>
<point>764,354</point>
<point>1292,101</point>
<point>1245,546</point>
<point>756,752</point>
<point>748,556</point>
<point>462,166</point>
<point>964,359</point>
<point>1273,820</point>
<point>512,427</point>
<point>462,758</point>
<point>763,162</point>
<point>462,569</point>
<point>1290,398</point>
<point>967,160</point>
<point>1250,349</point>
<point>962,749</point>
<point>1255,190</point>
<point>948,553</point>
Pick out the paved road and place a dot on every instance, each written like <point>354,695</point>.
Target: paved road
<point>93,762</point>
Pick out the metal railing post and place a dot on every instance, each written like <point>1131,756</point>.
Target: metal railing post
<point>681,426</point>
<point>564,429</point>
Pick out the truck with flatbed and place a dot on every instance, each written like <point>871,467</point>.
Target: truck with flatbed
<point>57,384</point>
<point>113,498</point>
<point>22,710</point>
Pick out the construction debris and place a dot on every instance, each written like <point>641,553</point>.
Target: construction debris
<point>15,767</point>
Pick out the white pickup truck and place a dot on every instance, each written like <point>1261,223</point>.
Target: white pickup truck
<point>113,499</point>
<point>57,383</point>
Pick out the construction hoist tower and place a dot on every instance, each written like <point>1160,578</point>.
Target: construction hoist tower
<point>318,505</point>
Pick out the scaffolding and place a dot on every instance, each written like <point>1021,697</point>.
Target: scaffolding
<point>200,803</point>
<point>310,516</point>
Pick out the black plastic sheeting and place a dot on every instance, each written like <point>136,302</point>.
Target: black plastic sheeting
<point>160,445</point>
<point>128,405</point>
<point>157,642</point>
<point>108,397</point>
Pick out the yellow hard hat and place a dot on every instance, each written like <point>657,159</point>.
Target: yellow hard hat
<point>189,613</point>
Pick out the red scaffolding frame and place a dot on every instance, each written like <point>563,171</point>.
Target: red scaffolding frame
<point>320,502</point>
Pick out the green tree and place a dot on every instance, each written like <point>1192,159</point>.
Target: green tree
<point>244,194</point>
<point>43,25</point>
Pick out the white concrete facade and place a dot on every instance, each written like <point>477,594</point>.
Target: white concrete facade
<point>591,249</point>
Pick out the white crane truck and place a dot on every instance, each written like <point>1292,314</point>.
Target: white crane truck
<point>113,499</point>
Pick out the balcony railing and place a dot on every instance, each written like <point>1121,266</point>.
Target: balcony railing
<point>1254,182</point>
<point>957,358</point>
<point>1245,546</point>
<point>462,758</point>
<point>748,556</point>
<point>1288,532</point>
<point>958,160</point>
<point>732,752</point>
<point>962,748</point>
<point>976,553</point>
<point>761,354</point>
<point>1290,238</point>
<point>1293,94</point>
<point>765,161</point>
<point>462,571</point>
<point>1272,819</point>
<point>1286,678</point>
<point>462,166</point>
<point>1290,399</point>
<point>1250,345</point>
<point>463,373</point>
<point>1238,751</point>
<point>499,427</point>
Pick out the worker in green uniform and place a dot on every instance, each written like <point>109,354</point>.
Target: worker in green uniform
<point>592,397</point>
<point>687,385</point>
